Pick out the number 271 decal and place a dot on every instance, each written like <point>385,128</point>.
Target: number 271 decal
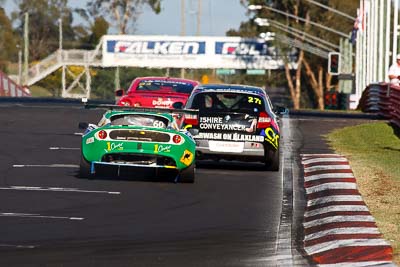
<point>252,99</point>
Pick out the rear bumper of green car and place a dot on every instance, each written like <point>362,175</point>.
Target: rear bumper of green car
<point>138,154</point>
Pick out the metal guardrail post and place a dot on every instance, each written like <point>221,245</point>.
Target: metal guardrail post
<point>9,87</point>
<point>395,105</point>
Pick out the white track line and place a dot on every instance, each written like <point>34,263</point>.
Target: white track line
<point>46,165</point>
<point>63,148</point>
<point>327,176</point>
<point>28,215</point>
<point>345,243</point>
<point>17,246</point>
<point>342,231</point>
<point>57,189</point>
<point>338,219</point>
<point>324,210</point>
<point>330,186</point>
<point>323,200</point>
<point>284,231</point>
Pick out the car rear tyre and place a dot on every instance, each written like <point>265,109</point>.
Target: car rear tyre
<point>187,175</point>
<point>84,168</point>
<point>272,160</point>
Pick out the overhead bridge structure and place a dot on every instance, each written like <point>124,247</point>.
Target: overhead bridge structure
<point>195,52</point>
<point>62,59</point>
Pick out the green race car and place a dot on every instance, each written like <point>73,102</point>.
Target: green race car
<point>138,138</point>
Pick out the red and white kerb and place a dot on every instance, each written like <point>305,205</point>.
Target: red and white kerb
<point>338,227</point>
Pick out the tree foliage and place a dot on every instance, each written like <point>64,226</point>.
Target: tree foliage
<point>103,86</point>
<point>313,79</point>
<point>89,36</point>
<point>44,21</point>
<point>8,41</point>
<point>44,16</point>
<point>123,12</point>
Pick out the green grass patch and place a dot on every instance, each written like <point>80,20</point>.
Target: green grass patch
<point>374,143</point>
<point>38,91</point>
<point>373,151</point>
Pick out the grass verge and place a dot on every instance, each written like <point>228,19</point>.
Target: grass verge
<point>37,91</point>
<point>373,151</point>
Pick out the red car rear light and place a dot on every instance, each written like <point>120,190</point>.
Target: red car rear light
<point>102,134</point>
<point>191,119</point>
<point>176,139</point>
<point>264,121</point>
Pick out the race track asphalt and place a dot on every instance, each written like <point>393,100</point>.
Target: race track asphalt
<point>235,214</point>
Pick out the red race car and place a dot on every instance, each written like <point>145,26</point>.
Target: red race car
<point>157,92</point>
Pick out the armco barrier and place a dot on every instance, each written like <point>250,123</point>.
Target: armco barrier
<point>369,101</point>
<point>395,105</point>
<point>11,89</point>
<point>384,99</point>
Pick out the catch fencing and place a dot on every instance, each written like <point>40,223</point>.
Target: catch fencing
<point>384,99</point>
<point>10,88</point>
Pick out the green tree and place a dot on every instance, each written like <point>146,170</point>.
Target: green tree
<point>89,36</point>
<point>8,41</point>
<point>318,78</point>
<point>98,29</point>
<point>44,16</point>
<point>312,70</point>
<point>123,12</point>
<point>103,82</point>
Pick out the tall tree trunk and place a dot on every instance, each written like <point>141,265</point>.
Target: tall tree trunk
<point>298,78</point>
<point>320,88</point>
<point>295,89</point>
<point>122,19</point>
<point>328,81</point>
<point>317,86</point>
<point>290,84</point>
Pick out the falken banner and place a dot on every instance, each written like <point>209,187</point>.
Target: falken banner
<point>195,52</point>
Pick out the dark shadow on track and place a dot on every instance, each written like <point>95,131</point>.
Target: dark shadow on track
<point>169,175</point>
<point>138,175</point>
<point>230,165</point>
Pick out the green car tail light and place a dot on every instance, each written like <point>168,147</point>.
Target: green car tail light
<point>102,134</point>
<point>177,139</point>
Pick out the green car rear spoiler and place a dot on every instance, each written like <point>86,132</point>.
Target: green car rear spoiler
<point>140,109</point>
